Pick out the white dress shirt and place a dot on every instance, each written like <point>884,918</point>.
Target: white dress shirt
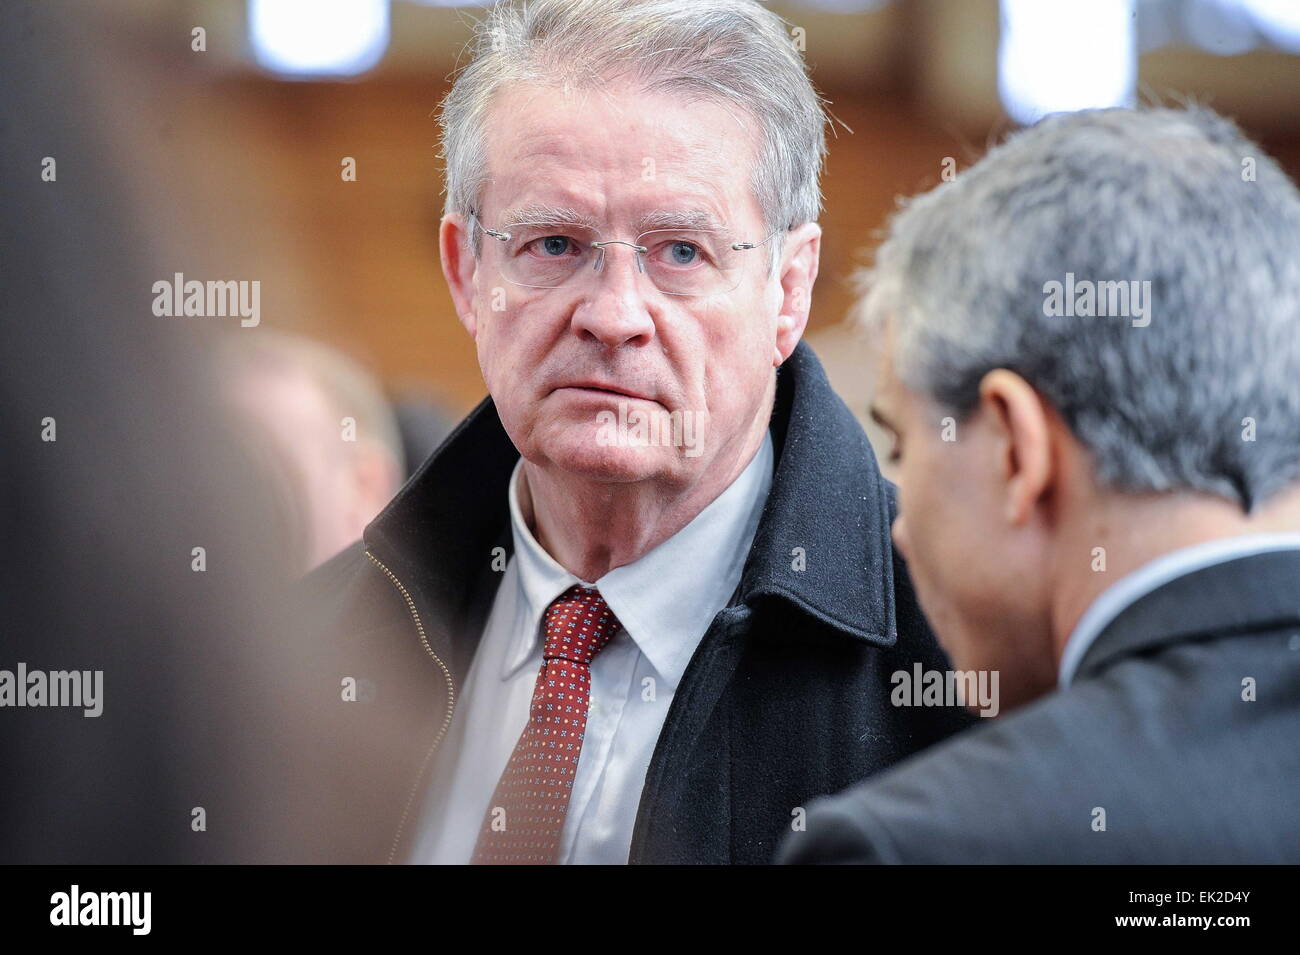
<point>665,602</point>
<point>1131,587</point>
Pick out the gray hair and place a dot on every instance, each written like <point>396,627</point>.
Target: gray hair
<point>1178,198</point>
<point>729,51</point>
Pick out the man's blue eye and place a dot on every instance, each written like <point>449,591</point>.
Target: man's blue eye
<point>555,244</point>
<point>684,253</point>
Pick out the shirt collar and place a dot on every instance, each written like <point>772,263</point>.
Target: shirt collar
<point>666,599</point>
<point>1112,601</point>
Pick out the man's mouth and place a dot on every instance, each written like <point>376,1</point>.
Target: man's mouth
<point>598,388</point>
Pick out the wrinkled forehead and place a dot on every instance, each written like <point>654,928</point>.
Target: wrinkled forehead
<point>620,158</point>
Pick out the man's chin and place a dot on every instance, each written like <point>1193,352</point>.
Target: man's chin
<point>584,451</point>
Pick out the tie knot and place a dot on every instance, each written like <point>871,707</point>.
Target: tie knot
<point>578,625</point>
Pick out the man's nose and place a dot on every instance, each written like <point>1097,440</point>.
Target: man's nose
<point>613,310</point>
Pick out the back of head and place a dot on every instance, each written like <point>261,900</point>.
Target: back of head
<point>1141,270</point>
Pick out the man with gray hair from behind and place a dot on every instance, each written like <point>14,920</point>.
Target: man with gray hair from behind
<point>1090,367</point>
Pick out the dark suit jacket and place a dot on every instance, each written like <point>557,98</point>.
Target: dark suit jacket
<point>786,698</point>
<point>1153,730</point>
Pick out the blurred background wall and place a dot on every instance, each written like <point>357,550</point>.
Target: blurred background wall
<point>254,129</point>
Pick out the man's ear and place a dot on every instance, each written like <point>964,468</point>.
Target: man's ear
<point>459,267</point>
<point>800,259</point>
<point>1022,424</point>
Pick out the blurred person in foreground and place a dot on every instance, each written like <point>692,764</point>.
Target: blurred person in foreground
<point>1099,502</point>
<point>642,604</point>
<point>138,565</point>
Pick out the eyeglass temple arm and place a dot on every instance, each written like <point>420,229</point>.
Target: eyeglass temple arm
<point>503,236</point>
<point>742,246</point>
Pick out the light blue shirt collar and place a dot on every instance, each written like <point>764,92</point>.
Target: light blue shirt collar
<point>1177,563</point>
<point>666,599</point>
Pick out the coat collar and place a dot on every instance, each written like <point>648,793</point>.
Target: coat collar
<point>1242,595</point>
<point>822,545</point>
<point>829,511</point>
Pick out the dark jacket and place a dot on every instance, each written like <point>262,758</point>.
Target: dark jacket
<point>1153,730</point>
<point>786,697</point>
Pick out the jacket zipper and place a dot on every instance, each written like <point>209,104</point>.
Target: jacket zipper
<point>451,702</point>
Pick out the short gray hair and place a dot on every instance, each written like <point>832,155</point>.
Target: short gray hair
<point>1176,197</point>
<point>731,51</point>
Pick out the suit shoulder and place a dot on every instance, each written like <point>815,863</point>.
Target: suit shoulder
<point>1118,769</point>
<point>976,797</point>
<point>835,833</point>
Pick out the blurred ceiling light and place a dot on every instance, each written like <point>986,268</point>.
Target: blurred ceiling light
<point>318,38</point>
<point>1066,55</point>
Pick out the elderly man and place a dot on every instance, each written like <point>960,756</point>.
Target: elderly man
<point>1099,499</point>
<point>641,605</point>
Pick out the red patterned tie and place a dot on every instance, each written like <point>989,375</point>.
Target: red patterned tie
<point>524,820</point>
